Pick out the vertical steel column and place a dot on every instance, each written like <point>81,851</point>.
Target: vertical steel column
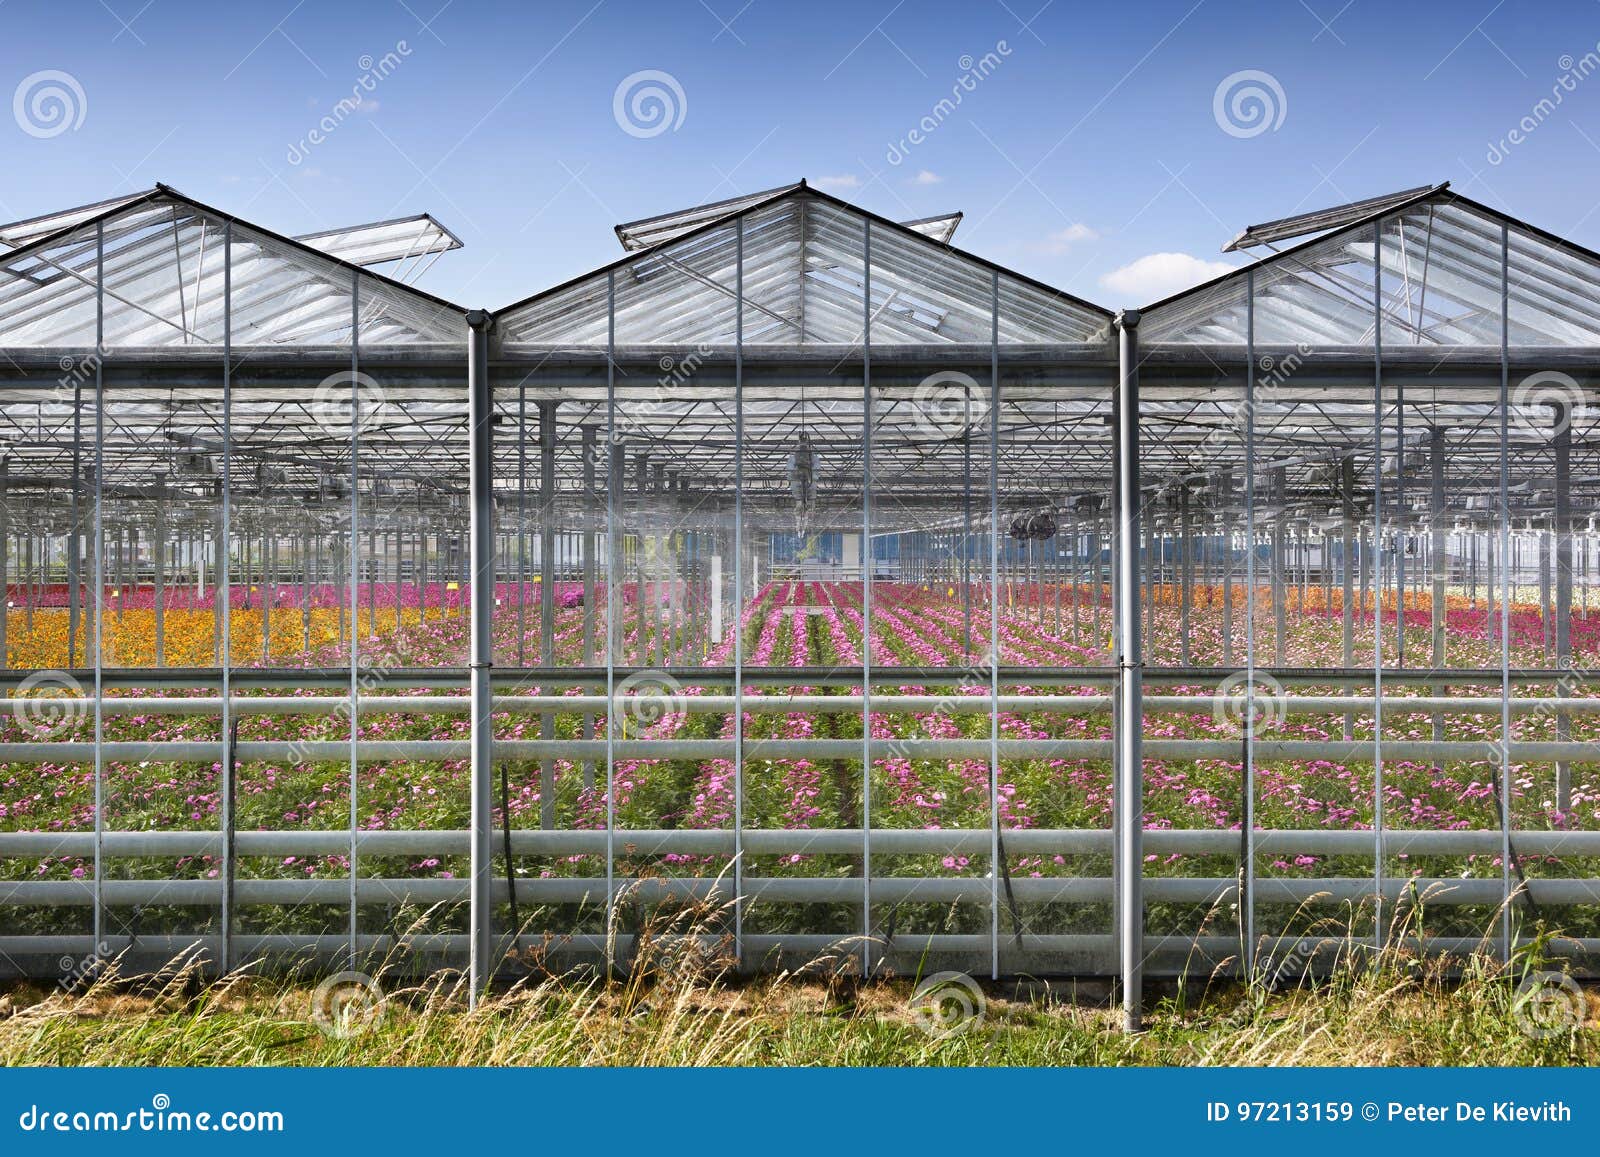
<point>522,524</point>
<point>738,591</point>
<point>1279,571</point>
<point>995,851</point>
<point>99,583</point>
<point>1563,601</point>
<point>1247,869</point>
<point>1129,719</point>
<point>1377,588</point>
<point>5,558</point>
<point>1506,851</point>
<point>866,597</point>
<point>616,470</point>
<point>1439,560</point>
<point>591,450</point>
<point>480,474</point>
<point>1185,575</point>
<point>224,593</point>
<point>547,600</point>
<point>353,578</point>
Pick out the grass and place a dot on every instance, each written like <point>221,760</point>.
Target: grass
<point>680,1007</point>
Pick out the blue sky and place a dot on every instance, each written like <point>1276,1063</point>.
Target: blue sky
<point>1090,155</point>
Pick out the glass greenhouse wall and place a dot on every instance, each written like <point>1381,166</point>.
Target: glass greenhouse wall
<point>804,568</point>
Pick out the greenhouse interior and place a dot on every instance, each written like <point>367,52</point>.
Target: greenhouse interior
<point>802,585</point>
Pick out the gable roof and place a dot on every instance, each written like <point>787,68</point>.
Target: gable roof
<point>804,284</point>
<point>164,276</point>
<point>1435,255</point>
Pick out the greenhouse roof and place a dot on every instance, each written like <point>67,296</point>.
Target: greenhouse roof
<point>164,275</point>
<point>804,282</point>
<point>1429,257</point>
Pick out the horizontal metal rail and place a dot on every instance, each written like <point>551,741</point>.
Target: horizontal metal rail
<point>802,841</point>
<point>886,889</point>
<point>515,678</point>
<point>945,704</point>
<point>1054,953</point>
<point>526,750</point>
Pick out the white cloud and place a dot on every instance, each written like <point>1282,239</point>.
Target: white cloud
<point>1061,240</point>
<point>1158,275</point>
<point>926,177</point>
<point>843,181</point>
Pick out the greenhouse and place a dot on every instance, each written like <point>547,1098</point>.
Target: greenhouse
<point>802,585</point>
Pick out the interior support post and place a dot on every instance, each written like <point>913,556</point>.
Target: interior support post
<point>480,472</point>
<point>1562,532</point>
<point>1129,714</point>
<point>1439,559</point>
<point>591,447</point>
<point>547,598</point>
